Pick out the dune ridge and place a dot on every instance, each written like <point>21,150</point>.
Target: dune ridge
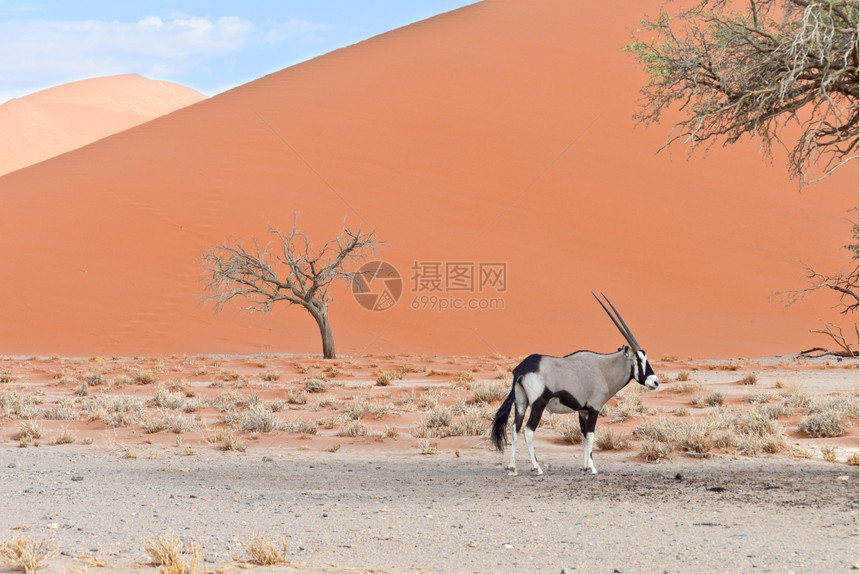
<point>47,123</point>
<point>500,133</point>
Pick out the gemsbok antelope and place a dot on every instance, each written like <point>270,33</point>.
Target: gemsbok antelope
<point>581,382</point>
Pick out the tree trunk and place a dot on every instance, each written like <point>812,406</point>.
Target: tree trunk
<point>321,317</point>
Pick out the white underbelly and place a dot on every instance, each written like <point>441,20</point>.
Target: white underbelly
<point>555,406</point>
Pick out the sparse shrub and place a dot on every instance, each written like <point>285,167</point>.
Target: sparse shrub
<point>315,385</point>
<point>757,398</point>
<point>759,423</point>
<point>797,401</point>
<point>654,450</point>
<point>683,376</point>
<point>384,379</point>
<point>391,431</point>
<point>352,427</point>
<point>755,445</point>
<point>661,430</point>
<point>26,554</point>
<point>94,379</point>
<point>30,430</point>
<point>226,440</point>
<point>144,377</point>
<point>466,377</point>
<point>82,390</point>
<point>439,417</point>
<point>65,437</point>
<point>357,408</point>
<point>854,459</point>
<point>167,400</point>
<point>725,439</point>
<point>828,452</point>
<point>750,379</point>
<point>470,423</point>
<point>429,399</point>
<point>843,404</point>
<point>301,426</point>
<point>270,376</point>
<point>424,447</point>
<point>605,439</point>
<point>630,404</point>
<point>488,391</point>
<point>262,552</point>
<point>716,399</point>
<point>694,438</point>
<point>824,424</point>
<point>258,418</point>
<point>684,387</point>
<point>297,396</point>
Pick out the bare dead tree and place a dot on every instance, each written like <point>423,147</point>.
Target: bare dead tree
<point>843,283</point>
<point>292,271</point>
<point>778,64</point>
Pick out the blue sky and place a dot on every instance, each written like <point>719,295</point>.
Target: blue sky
<point>210,45</point>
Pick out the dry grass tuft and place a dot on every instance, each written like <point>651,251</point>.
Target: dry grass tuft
<point>424,447</point>
<point>262,552</point>
<point>167,552</point>
<point>25,554</point>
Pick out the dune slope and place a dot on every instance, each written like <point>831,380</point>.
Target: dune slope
<point>495,138</point>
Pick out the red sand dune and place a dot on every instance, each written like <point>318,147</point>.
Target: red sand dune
<point>500,132</point>
<point>53,121</point>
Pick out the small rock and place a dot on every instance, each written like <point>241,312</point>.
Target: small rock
<point>508,546</point>
<point>325,515</point>
<point>77,478</point>
<point>267,459</point>
<point>11,465</point>
<point>473,544</point>
<point>843,477</point>
<point>209,559</point>
<point>53,526</point>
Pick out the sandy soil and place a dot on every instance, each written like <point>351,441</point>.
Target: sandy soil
<point>376,503</point>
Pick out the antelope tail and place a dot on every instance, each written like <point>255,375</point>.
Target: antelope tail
<point>499,434</point>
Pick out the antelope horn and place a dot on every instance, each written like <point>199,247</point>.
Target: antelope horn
<point>622,326</point>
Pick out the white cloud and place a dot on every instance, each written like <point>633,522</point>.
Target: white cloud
<point>294,28</point>
<point>42,52</point>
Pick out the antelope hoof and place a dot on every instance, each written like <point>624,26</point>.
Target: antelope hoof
<point>513,472</point>
<point>537,471</point>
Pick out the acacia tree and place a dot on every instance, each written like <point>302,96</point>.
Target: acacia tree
<point>773,70</point>
<point>779,64</point>
<point>293,271</point>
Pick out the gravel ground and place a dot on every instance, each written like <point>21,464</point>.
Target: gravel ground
<point>359,510</point>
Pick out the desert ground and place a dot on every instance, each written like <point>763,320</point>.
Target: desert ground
<point>382,464</point>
